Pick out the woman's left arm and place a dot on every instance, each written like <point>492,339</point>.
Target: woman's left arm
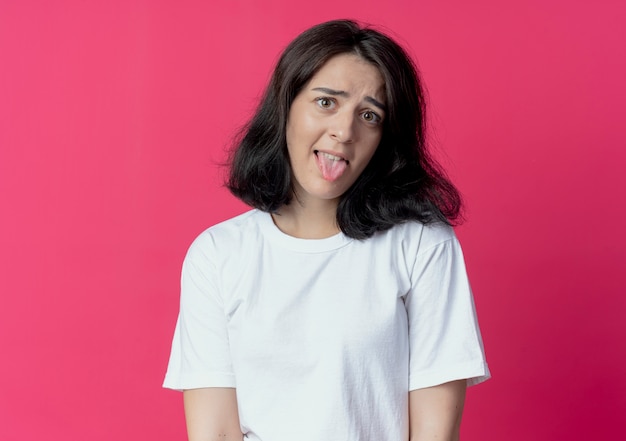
<point>435,412</point>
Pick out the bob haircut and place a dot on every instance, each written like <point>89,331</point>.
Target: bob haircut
<point>401,182</point>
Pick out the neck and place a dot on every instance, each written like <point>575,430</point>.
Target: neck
<point>308,220</point>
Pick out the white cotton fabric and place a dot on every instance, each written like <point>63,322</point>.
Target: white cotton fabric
<point>323,339</point>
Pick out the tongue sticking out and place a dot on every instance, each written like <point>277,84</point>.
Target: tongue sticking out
<point>332,167</point>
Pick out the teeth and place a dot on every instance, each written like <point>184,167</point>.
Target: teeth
<point>331,157</point>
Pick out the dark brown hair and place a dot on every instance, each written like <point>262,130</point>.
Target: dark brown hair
<point>402,181</point>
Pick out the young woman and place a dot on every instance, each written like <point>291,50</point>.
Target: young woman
<point>339,307</point>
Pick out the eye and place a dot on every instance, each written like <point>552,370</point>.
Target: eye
<point>371,117</point>
<point>325,102</point>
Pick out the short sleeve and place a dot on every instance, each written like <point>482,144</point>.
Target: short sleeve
<point>444,338</point>
<point>200,355</point>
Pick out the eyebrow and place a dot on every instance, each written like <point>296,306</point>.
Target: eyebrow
<point>368,98</point>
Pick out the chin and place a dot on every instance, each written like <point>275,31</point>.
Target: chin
<point>322,194</point>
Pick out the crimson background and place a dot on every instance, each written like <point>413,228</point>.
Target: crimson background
<point>114,117</point>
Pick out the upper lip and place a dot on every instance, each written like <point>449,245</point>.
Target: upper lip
<point>331,152</point>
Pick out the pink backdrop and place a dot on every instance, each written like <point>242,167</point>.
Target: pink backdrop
<point>113,116</point>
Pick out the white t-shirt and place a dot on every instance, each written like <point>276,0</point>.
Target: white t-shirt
<point>323,339</point>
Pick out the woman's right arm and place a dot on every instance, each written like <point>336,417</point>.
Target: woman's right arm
<point>211,414</point>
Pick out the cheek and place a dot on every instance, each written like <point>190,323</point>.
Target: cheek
<point>372,147</point>
<point>293,131</point>
<point>297,147</point>
<point>366,159</point>
<point>301,137</point>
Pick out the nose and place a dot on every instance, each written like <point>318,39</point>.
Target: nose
<point>342,128</point>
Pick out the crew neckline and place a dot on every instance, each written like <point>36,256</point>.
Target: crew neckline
<point>276,236</point>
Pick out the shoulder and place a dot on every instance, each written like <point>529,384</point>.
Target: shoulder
<point>413,244</point>
<point>418,236</point>
<point>233,227</point>
<point>227,235</point>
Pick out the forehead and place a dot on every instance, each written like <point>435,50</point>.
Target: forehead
<point>351,73</point>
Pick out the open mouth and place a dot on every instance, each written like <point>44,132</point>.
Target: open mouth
<point>330,157</point>
<point>331,166</point>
